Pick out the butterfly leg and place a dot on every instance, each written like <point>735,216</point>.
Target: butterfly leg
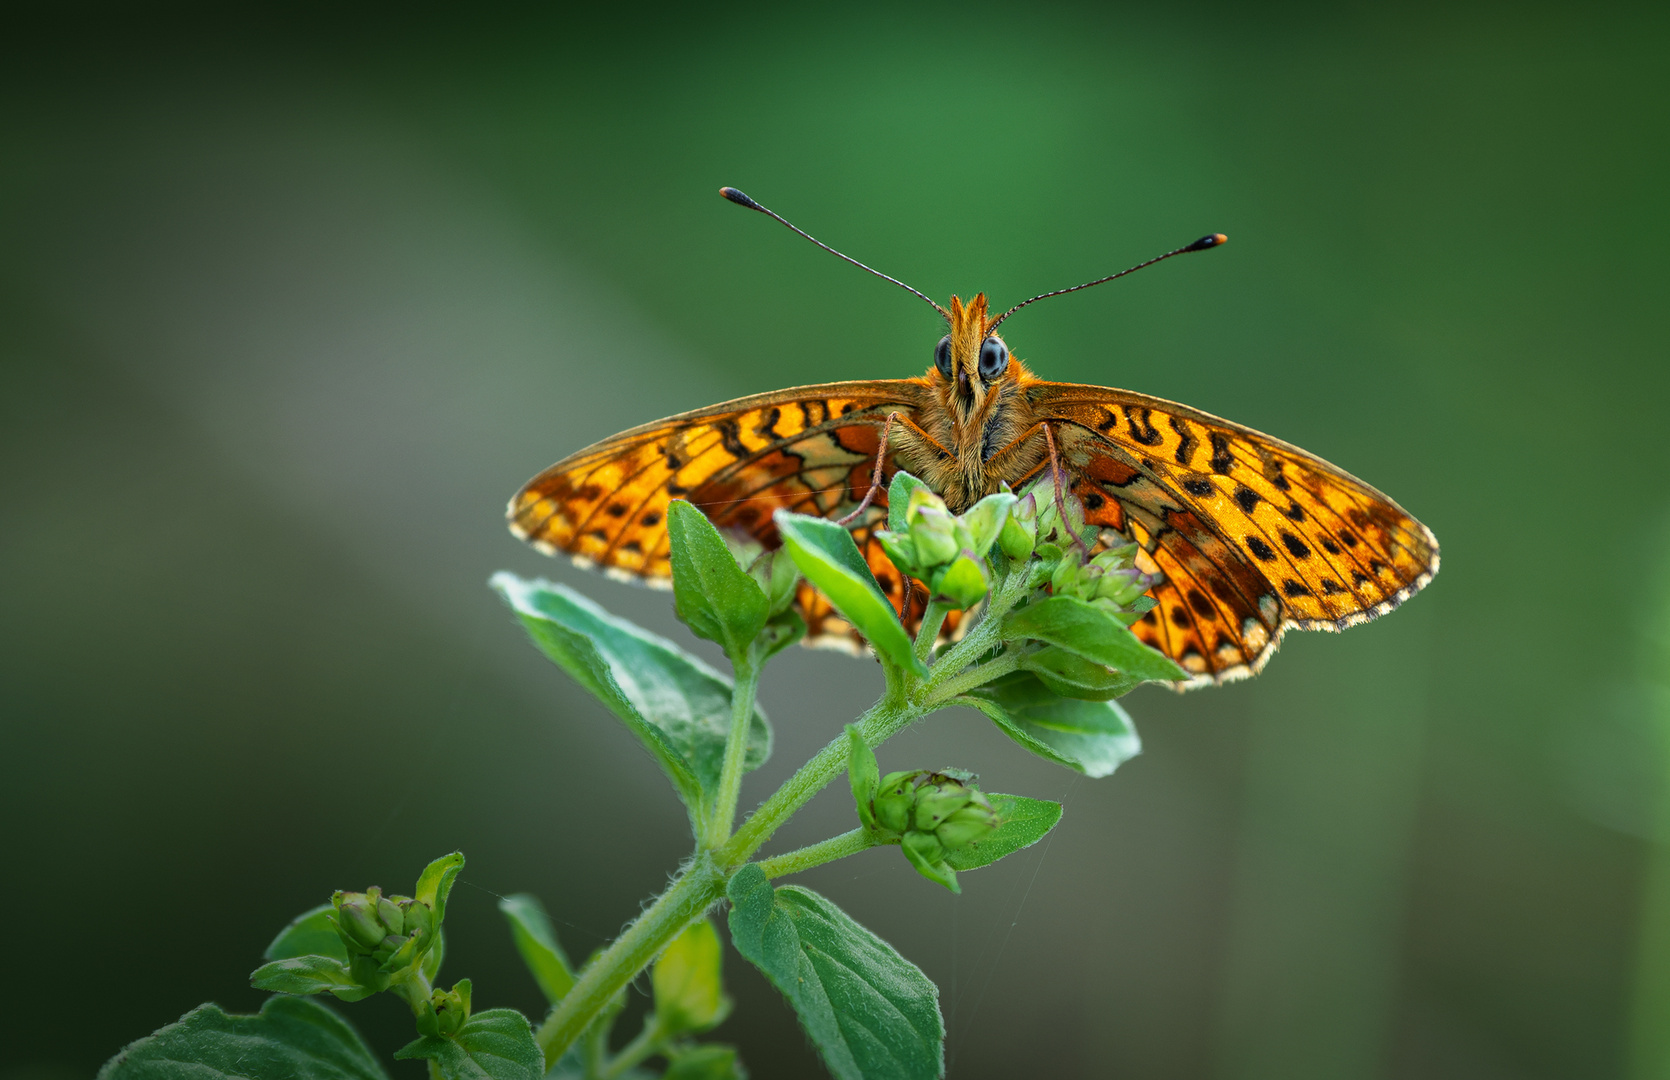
<point>875,477</point>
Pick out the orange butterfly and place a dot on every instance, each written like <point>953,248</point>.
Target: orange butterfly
<point>1253,536</point>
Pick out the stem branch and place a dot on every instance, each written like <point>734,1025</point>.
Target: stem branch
<point>719,822</point>
<point>683,903</point>
<point>836,847</point>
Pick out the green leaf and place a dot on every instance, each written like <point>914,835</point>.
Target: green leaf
<point>537,942</point>
<point>291,1038</point>
<point>309,934</point>
<point>677,706</point>
<point>689,994</point>
<point>309,975</point>
<point>714,596</point>
<point>871,1013</point>
<point>864,773</point>
<point>831,561</point>
<point>898,499</point>
<point>434,885</point>
<point>781,630</point>
<point>1071,675</point>
<point>708,1061</point>
<point>1022,823</point>
<point>1093,737</point>
<point>494,1045</point>
<point>1084,628</point>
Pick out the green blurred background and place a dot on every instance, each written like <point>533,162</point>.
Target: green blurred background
<point>291,303</point>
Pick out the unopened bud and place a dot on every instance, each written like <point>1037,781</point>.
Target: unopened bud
<point>1020,529</point>
<point>972,821</point>
<point>984,521</point>
<point>357,923</point>
<point>963,583</point>
<point>937,800</point>
<point>934,532</point>
<point>894,797</point>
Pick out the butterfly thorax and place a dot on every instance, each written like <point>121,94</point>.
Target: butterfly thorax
<point>983,430</point>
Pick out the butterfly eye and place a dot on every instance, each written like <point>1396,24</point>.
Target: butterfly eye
<point>942,356</point>
<point>994,357</point>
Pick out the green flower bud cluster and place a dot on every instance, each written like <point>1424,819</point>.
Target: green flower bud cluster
<point>947,552</point>
<point>383,934</point>
<point>933,814</point>
<point>445,1011</point>
<point>1108,578</point>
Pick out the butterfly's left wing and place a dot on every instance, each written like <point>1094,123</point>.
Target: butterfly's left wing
<point>810,449</point>
<point>1253,535</point>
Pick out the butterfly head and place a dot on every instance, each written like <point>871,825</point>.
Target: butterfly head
<point>970,362</point>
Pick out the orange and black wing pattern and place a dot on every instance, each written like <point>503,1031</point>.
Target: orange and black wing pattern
<point>1254,536</point>
<point>811,450</point>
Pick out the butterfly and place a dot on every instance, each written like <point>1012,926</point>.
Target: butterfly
<point>1250,536</point>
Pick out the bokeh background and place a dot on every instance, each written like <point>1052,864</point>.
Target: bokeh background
<point>291,303</point>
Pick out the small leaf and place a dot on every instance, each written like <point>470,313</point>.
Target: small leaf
<point>537,942</point>
<point>781,630</point>
<point>871,1013</point>
<point>1022,823</point>
<point>707,1061</point>
<point>714,596</point>
<point>898,499</point>
<point>677,706</point>
<point>864,773</point>
<point>1091,632</point>
<point>831,561</point>
<point>1071,675</point>
<point>434,885</point>
<point>1093,737</point>
<point>291,1038</point>
<point>924,852</point>
<point>309,934</point>
<point>309,975</point>
<point>689,994</point>
<point>494,1045</point>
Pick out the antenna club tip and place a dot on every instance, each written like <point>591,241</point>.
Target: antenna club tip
<point>739,198</point>
<point>1205,242</point>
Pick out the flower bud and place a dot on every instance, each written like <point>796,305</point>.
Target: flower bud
<point>937,799</point>
<point>1020,528</point>
<point>357,922</point>
<point>894,797</point>
<point>1051,525</point>
<point>901,550</point>
<point>963,583</point>
<point>925,846</point>
<point>970,822</point>
<point>390,915</point>
<point>984,521</point>
<point>933,531</point>
<point>1122,587</point>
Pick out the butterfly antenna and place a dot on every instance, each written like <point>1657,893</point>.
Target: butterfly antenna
<point>1202,244</point>
<point>740,199</point>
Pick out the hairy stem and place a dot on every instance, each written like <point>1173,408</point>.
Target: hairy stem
<point>836,847</point>
<point>685,901</point>
<point>719,822</point>
<point>928,633</point>
<point>884,719</point>
<point>978,675</point>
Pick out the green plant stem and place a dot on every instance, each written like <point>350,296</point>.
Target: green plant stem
<point>685,901</point>
<point>836,847</point>
<point>978,675</point>
<point>881,722</point>
<point>985,635</point>
<point>646,1045</point>
<point>928,633</point>
<point>723,816</point>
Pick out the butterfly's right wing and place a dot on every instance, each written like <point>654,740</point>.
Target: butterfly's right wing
<point>810,449</point>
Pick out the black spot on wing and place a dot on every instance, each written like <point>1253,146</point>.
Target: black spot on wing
<point>1295,545</point>
<point>1203,607</point>
<point>1093,501</point>
<point>1188,441</point>
<point>767,427</point>
<point>1222,459</point>
<point>1142,427</point>
<point>1198,488</point>
<point>730,435</point>
<point>1246,498</point>
<point>1260,548</point>
<point>1294,588</point>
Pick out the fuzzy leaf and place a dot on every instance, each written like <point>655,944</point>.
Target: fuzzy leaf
<point>291,1038</point>
<point>689,992</point>
<point>677,706</point>
<point>871,1013</point>
<point>309,934</point>
<point>830,560</point>
<point>898,499</point>
<point>1022,822</point>
<point>1091,632</point>
<point>714,596</point>
<point>537,942</point>
<point>1093,737</point>
<point>496,1044</point>
<point>1071,675</point>
<point>309,975</point>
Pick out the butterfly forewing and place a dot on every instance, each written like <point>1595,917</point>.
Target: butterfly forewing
<point>810,450</point>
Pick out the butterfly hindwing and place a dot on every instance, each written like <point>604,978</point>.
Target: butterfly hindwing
<point>1253,535</point>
